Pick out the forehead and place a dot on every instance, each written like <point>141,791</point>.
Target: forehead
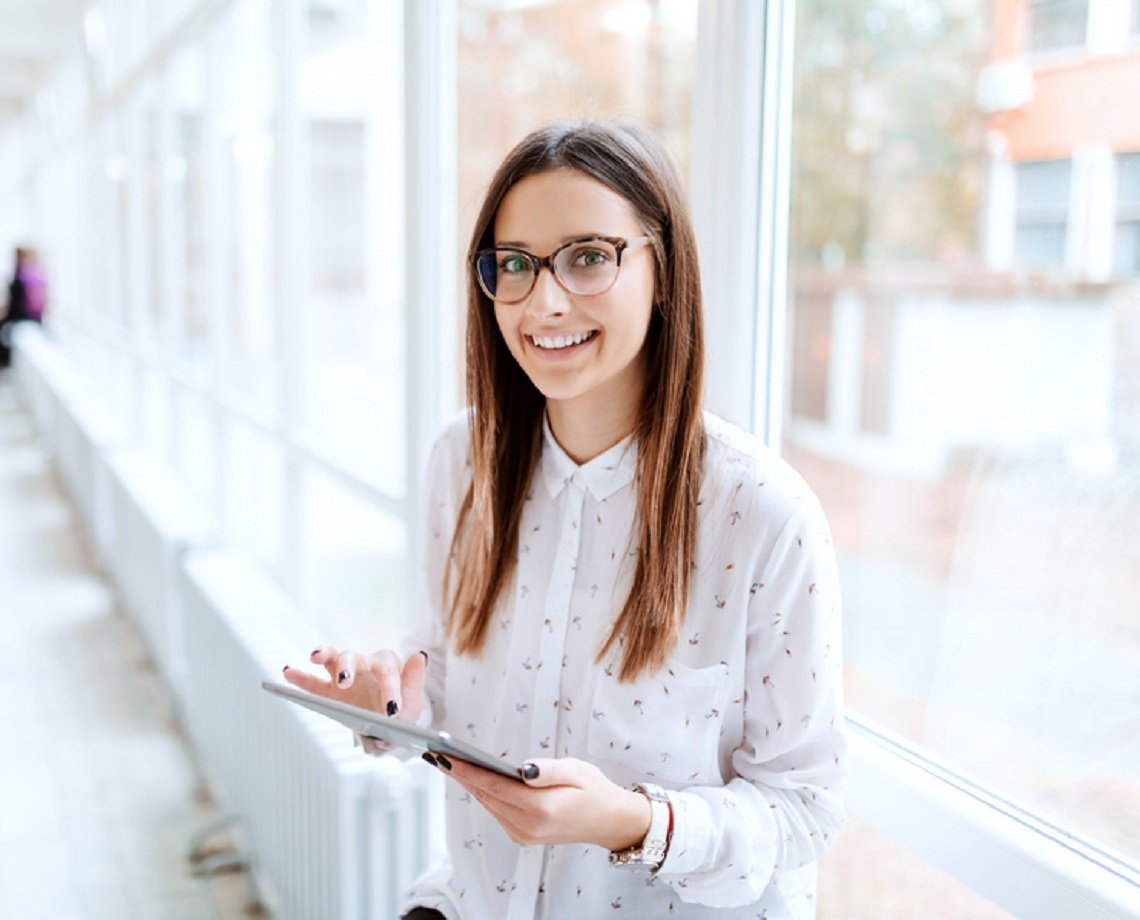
<point>547,208</point>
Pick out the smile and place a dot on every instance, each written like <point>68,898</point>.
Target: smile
<point>555,342</point>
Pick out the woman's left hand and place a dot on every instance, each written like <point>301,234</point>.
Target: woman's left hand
<point>569,801</point>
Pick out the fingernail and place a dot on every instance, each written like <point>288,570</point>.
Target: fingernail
<point>443,761</point>
<point>529,771</point>
<point>286,668</point>
<point>392,707</point>
<point>314,653</point>
<point>426,756</point>
<point>425,654</point>
<point>343,676</point>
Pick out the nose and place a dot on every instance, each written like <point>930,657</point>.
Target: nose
<point>547,298</point>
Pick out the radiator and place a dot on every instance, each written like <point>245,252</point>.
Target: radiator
<point>151,524</point>
<point>332,833</point>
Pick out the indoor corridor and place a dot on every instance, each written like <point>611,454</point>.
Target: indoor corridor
<point>101,793</point>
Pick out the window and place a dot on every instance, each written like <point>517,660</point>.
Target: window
<point>523,64</point>
<point>353,338</point>
<point>352,335</point>
<point>246,117</point>
<point>185,178</point>
<point>970,431</point>
<point>1057,24</point>
<point>1042,214</point>
<point>1128,215</point>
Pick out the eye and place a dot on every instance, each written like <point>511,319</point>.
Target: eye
<point>513,263</point>
<point>589,257</point>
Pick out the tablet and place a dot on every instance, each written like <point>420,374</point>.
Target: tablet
<point>393,731</point>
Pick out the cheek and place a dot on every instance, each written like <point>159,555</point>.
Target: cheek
<point>507,330</point>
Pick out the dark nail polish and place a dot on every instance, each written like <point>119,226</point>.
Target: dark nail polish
<point>443,761</point>
<point>284,669</point>
<point>343,676</point>
<point>529,771</point>
<point>314,653</point>
<point>426,756</point>
<point>392,707</point>
<point>425,654</point>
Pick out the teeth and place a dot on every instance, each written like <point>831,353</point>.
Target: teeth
<point>560,341</point>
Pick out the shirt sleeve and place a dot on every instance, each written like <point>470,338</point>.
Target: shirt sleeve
<point>782,808</point>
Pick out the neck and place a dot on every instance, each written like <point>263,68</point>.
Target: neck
<point>585,427</point>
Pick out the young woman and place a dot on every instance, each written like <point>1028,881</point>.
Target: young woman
<point>628,597</point>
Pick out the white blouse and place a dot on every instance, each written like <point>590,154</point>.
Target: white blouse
<point>743,727</point>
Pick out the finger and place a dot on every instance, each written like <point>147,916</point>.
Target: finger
<point>308,682</point>
<point>385,669</point>
<point>326,656</point>
<point>347,665</point>
<point>412,677</point>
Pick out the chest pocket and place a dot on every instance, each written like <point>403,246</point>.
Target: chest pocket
<point>665,727</point>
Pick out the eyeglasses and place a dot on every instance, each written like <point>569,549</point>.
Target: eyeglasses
<point>586,267</point>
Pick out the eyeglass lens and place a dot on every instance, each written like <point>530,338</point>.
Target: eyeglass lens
<point>587,267</point>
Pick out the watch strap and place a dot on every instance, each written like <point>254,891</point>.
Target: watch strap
<point>650,853</point>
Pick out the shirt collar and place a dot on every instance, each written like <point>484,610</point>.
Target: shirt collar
<point>603,476</point>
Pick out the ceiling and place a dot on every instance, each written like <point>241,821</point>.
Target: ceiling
<point>33,36</point>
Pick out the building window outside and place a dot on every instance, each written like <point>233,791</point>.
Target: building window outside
<point>1128,216</point>
<point>1042,214</point>
<point>1057,24</point>
<point>521,65</point>
<point>963,428</point>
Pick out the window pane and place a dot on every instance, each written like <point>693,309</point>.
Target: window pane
<point>196,447</point>
<point>246,120</point>
<point>1128,215</point>
<point>1057,23</point>
<point>868,875</point>
<point>255,494</point>
<point>350,88</point>
<point>972,429</point>
<point>186,184</point>
<point>522,65</point>
<point>354,577</point>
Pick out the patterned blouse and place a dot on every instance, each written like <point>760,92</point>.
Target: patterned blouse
<point>743,726</point>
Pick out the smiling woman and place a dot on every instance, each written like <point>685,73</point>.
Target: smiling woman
<point>622,590</point>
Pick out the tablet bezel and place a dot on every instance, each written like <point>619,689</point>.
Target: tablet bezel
<point>393,731</point>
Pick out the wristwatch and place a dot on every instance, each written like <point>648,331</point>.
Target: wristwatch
<point>650,853</point>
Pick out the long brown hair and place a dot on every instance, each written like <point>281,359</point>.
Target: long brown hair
<point>507,409</point>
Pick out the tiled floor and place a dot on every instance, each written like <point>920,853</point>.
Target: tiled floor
<point>98,791</point>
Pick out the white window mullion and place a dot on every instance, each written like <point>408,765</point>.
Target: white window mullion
<point>291,231</point>
<point>724,191</point>
<point>432,299</point>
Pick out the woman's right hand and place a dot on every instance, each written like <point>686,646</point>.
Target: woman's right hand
<point>377,681</point>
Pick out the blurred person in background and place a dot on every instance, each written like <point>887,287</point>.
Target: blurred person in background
<point>27,298</point>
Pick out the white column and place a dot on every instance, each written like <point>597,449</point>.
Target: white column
<point>1094,202</point>
<point>1000,212</point>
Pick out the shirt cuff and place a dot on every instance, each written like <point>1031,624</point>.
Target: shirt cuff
<point>694,835</point>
